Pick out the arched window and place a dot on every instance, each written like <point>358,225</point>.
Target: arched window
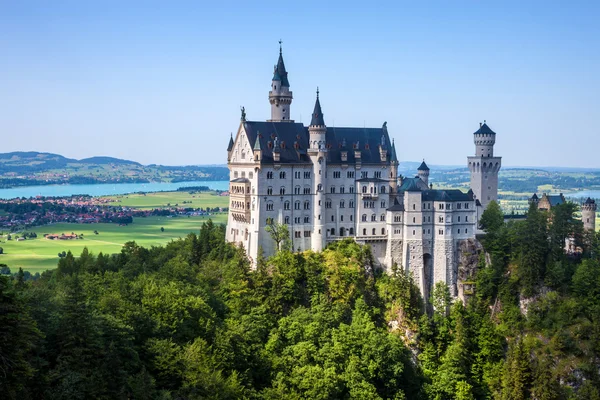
<point>382,190</point>
<point>269,190</point>
<point>351,231</point>
<point>364,189</point>
<point>373,231</point>
<point>282,190</point>
<point>382,217</point>
<point>364,232</point>
<point>373,217</point>
<point>286,205</point>
<point>297,205</point>
<point>383,231</point>
<point>319,187</point>
<point>364,218</point>
<point>342,204</point>
<point>332,231</point>
<point>332,218</point>
<point>270,175</point>
<point>307,205</point>
<point>341,231</point>
<point>282,175</point>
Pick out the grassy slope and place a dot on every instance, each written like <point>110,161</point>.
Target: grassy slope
<point>161,199</point>
<point>41,254</point>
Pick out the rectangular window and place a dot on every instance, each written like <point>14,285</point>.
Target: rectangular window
<point>350,174</point>
<point>307,175</point>
<point>337,174</point>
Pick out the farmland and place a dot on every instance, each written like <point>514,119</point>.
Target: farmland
<point>168,199</point>
<point>37,255</point>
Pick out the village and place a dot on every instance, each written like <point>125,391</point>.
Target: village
<point>20,214</point>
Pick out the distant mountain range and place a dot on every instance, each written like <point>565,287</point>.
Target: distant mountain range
<point>33,161</point>
<point>25,168</point>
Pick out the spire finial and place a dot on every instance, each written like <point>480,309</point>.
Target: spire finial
<point>317,92</point>
<point>280,41</point>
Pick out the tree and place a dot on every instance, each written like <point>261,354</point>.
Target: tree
<point>162,229</point>
<point>280,234</point>
<point>492,218</point>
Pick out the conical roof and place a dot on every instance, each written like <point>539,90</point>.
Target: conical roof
<point>230,146</point>
<point>484,130</point>
<point>423,167</point>
<point>257,143</point>
<point>280,74</point>
<point>317,115</point>
<point>393,157</point>
<point>590,201</point>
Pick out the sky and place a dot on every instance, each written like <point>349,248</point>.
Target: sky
<point>162,82</point>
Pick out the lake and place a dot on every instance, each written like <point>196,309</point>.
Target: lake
<point>594,194</point>
<point>104,189</point>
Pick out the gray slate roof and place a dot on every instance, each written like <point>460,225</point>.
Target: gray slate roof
<point>423,167</point>
<point>317,115</point>
<point>290,133</point>
<point>412,185</point>
<point>280,74</point>
<point>484,130</point>
<point>556,199</point>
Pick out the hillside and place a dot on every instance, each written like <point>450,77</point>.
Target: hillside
<point>35,168</point>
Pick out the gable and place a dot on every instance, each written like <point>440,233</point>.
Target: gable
<point>241,152</point>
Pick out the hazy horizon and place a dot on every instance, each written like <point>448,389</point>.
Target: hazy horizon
<point>161,83</point>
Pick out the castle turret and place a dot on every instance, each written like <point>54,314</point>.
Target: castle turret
<point>393,173</point>
<point>484,167</point>
<point>280,95</point>
<point>423,172</point>
<point>229,148</point>
<point>317,152</point>
<point>588,215</point>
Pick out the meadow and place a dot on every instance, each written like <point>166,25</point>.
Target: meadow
<point>169,199</point>
<point>37,255</point>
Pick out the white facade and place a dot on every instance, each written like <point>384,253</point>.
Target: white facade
<point>328,184</point>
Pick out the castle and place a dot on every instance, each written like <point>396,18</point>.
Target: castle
<point>330,183</point>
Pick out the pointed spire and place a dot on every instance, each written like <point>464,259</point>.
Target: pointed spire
<point>280,74</point>
<point>423,166</point>
<point>393,158</point>
<point>257,143</point>
<point>317,116</point>
<point>230,146</point>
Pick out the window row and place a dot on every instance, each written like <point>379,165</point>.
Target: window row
<point>243,174</point>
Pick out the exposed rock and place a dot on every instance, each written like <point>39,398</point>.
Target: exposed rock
<point>469,252</point>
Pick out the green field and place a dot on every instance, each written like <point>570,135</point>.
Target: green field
<point>41,254</point>
<point>170,199</point>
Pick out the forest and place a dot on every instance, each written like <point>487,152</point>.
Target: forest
<point>191,320</point>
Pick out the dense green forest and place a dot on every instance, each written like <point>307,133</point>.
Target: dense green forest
<point>190,320</point>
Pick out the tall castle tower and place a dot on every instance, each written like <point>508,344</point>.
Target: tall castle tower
<point>317,152</point>
<point>484,166</point>
<point>423,172</point>
<point>588,215</point>
<point>280,96</point>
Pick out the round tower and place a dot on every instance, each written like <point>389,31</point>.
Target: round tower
<point>280,95</point>
<point>588,215</point>
<point>484,140</point>
<point>317,151</point>
<point>484,166</point>
<point>423,172</point>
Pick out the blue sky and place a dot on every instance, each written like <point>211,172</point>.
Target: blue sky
<point>162,82</point>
